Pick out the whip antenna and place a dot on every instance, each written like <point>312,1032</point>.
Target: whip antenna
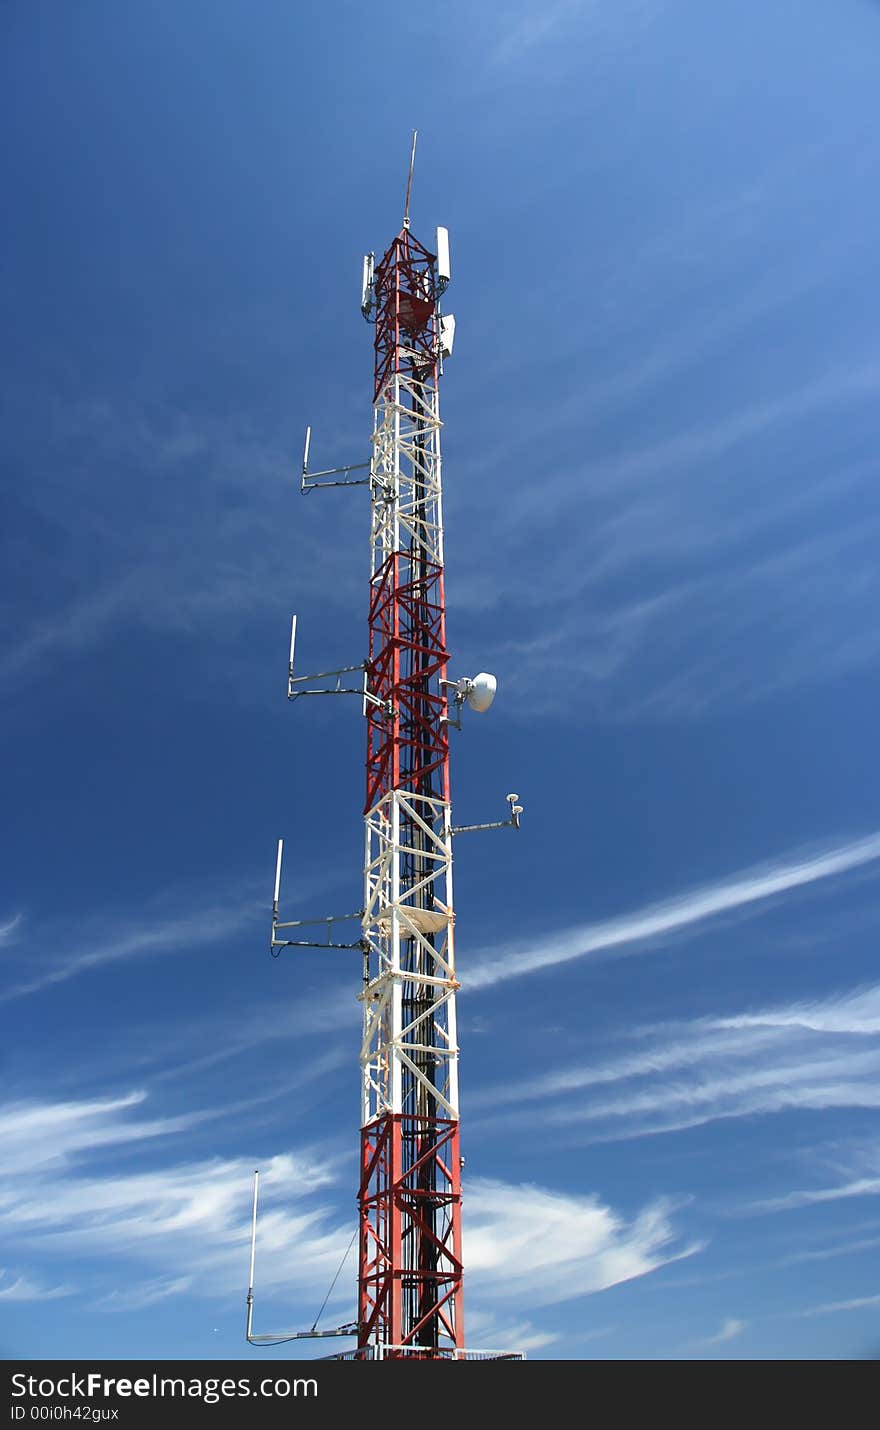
<point>412,160</point>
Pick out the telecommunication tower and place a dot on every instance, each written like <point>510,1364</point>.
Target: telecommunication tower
<point>409,1197</point>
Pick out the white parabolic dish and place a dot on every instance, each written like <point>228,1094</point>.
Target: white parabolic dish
<point>482,691</point>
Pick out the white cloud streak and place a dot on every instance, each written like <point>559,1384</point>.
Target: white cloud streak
<point>859,1187</point>
<point>657,922</point>
<point>177,574</point>
<point>666,602</point>
<point>701,444</point>
<point>9,929</point>
<point>781,1263</point>
<point>536,26</point>
<point>684,1075</point>
<point>24,1288</point>
<point>548,1247</point>
<point>565,30</point>
<point>222,914</point>
<point>729,1332</point>
<point>493,1330</point>
<point>830,1308</point>
<point>40,1135</point>
<point>188,1222</point>
<point>855,1012</point>
<point>145,1293</point>
<point>160,936</point>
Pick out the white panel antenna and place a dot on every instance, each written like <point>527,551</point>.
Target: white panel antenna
<point>447,335</point>
<point>444,272</point>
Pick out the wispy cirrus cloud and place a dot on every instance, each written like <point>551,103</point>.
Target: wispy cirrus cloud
<point>687,1074</point>
<point>163,928</point>
<point>566,28</point>
<point>814,1197</point>
<point>547,1247</point>
<point>10,928</point>
<point>83,622</point>
<point>39,1134</point>
<point>647,928</point>
<point>493,1329</point>
<point>161,936</point>
<point>730,1329</point>
<point>534,26</point>
<point>806,1256</point>
<point>25,1288</point>
<point>856,1011</point>
<point>752,628</point>
<point>856,1167</point>
<point>805,1081</point>
<point>831,1308</point>
<point>198,555</point>
<point>715,438</point>
<point>186,1223</point>
<point>666,599</point>
<point>144,1293</point>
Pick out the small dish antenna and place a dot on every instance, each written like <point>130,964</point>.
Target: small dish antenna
<point>479,692</point>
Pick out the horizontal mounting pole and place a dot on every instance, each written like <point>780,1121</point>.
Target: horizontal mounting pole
<point>516,811</point>
<point>337,690</point>
<point>314,479</point>
<point>326,674</point>
<point>496,824</point>
<point>335,471</point>
<point>282,1336</point>
<point>310,480</point>
<point>328,919</point>
<point>308,943</point>
<point>366,695</point>
<point>311,923</point>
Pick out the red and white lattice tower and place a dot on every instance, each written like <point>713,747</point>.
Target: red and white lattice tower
<point>410,1279</point>
<point>409,1199</point>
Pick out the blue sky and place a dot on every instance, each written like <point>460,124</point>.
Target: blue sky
<point>662,525</point>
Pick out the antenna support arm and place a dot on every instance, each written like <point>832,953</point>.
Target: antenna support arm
<point>310,480</point>
<point>279,1338</point>
<point>338,689</point>
<point>516,810</point>
<point>278,943</point>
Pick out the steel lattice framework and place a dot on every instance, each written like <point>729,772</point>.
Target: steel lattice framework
<point>409,1195</point>
<point>410,1276</point>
